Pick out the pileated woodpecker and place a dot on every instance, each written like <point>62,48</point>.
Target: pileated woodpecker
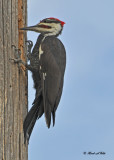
<point>47,64</point>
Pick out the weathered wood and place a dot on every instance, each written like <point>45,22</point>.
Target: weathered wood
<point>13,81</point>
<point>2,98</point>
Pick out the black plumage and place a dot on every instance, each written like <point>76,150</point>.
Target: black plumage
<point>48,76</point>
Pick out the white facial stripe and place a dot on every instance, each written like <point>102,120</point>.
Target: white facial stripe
<point>54,30</point>
<point>40,52</point>
<point>40,49</point>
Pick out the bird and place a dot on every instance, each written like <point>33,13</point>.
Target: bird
<point>47,64</point>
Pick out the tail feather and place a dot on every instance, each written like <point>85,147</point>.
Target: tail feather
<point>30,120</point>
<point>48,118</point>
<point>53,116</point>
<point>47,112</point>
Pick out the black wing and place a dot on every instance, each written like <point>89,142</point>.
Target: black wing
<point>53,62</point>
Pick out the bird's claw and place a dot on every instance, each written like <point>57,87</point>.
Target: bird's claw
<point>18,60</point>
<point>17,52</point>
<point>30,43</point>
<point>29,46</point>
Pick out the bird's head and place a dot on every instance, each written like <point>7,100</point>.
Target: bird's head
<point>48,27</point>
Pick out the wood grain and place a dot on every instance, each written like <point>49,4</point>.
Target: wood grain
<point>13,81</point>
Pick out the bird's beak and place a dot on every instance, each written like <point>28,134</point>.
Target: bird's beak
<point>40,28</point>
<point>30,28</point>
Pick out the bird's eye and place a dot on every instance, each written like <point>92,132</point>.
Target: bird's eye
<point>44,21</point>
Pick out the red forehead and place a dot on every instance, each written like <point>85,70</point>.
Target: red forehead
<point>62,23</point>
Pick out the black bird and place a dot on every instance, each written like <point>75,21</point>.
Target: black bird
<point>47,64</point>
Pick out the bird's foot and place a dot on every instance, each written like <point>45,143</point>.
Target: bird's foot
<point>17,51</point>
<point>29,48</point>
<point>17,58</point>
<point>30,45</point>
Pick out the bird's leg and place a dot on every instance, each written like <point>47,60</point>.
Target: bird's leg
<point>29,48</point>
<point>18,60</point>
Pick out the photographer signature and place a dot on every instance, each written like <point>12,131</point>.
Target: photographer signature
<point>94,153</point>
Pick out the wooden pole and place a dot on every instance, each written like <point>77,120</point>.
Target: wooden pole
<point>13,81</point>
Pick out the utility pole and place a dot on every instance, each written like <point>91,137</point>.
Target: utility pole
<point>13,80</point>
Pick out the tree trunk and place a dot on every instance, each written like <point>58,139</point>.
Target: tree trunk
<point>13,80</point>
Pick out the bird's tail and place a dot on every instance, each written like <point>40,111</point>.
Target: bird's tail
<point>30,120</point>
